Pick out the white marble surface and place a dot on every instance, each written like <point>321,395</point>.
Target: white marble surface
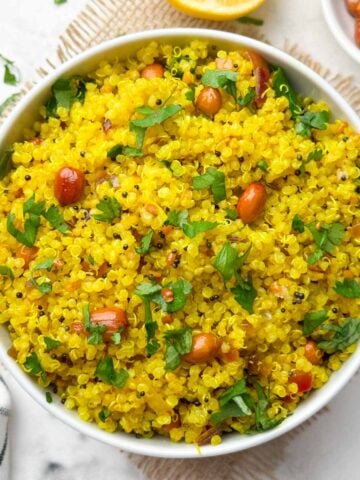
<point>43,448</point>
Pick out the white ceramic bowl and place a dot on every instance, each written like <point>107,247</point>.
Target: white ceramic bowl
<point>306,82</point>
<point>342,26</point>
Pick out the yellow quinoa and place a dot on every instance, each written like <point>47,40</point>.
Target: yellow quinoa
<point>98,264</point>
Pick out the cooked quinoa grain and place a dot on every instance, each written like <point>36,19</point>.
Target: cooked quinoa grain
<point>141,285</point>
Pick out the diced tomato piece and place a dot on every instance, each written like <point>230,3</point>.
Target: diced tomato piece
<point>262,74</point>
<point>303,380</point>
<point>312,352</point>
<point>77,327</point>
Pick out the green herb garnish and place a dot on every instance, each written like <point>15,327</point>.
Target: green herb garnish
<point>181,289</point>
<point>104,414</point>
<point>191,229</point>
<point>262,165</point>
<point>308,120</point>
<point>111,209</point>
<point>232,214</point>
<point>106,372</point>
<point>33,212</point>
<point>124,150</point>
<point>44,287</point>
<point>247,99</point>
<point>96,331</point>
<point>147,291</point>
<point>51,343</point>
<point>11,73</point>
<point>228,261</point>
<point>297,224</point>
<point>56,219</point>
<point>225,79</point>
<point>145,243</point>
<point>178,342</point>
<point>263,422</point>
<point>151,117</point>
<point>214,179</point>
<point>6,272</point>
<point>48,397</point>
<point>348,288</point>
<point>233,403</point>
<point>190,94</point>
<point>250,21</point>
<point>313,320</point>
<point>326,237</point>
<point>245,294</point>
<point>344,335</point>
<point>65,92</point>
<point>33,366</point>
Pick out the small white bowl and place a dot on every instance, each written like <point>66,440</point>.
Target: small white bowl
<point>307,83</point>
<point>342,26</point>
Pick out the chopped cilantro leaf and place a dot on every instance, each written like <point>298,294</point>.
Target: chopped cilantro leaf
<point>33,211</point>
<point>6,272</point>
<point>181,289</point>
<point>147,291</point>
<point>283,88</point>
<point>48,397</point>
<point>190,94</point>
<point>43,287</point>
<point>33,366</point>
<point>345,335</point>
<point>104,414</point>
<point>250,21</point>
<point>111,209</point>
<point>11,73</point>
<point>178,342</point>
<point>214,179</point>
<point>177,218</point>
<point>124,150</point>
<point>95,331</point>
<point>245,294</point>
<point>326,238</point>
<point>51,343</point>
<point>65,92</point>
<point>55,218</point>
<point>228,261</point>
<point>91,260</point>
<point>247,99</point>
<point>312,320</point>
<point>308,120</point>
<point>232,214</point>
<point>348,288</point>
<point>263,422</point>
<point>152,117</point>
<point>106,372</point>
<point>262,165</point>
<point>297,224</point>
<point>233,403</point>
<point>145,243</point>
<point>193,228</point>
<point>316,155</point>
<point>225,79</point>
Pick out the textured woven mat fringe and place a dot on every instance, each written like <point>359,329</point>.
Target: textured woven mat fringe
<point>105,19</point>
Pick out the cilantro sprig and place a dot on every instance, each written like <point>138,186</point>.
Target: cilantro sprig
<point>110,208</point>
<point>151,117</point>
<point>125,150</point>
<point>6,272</point>
<point>106,372</point>
<point>213,178</point>
<point>145,243</point>
<point>305,120</point>
<point>179,218</point>
<point>33,366</point>
<point>327,237</point>
<point>178,342</point>
<point>11,72</point>
<point>225,79</point>
<point>147,291</point>
<point>344,336</point>
<point>228,263</point>
<point>313,320</point>
<point>32,212</point>
<point>65,92</point>
<point>51,343</point>
<point>56,219</point>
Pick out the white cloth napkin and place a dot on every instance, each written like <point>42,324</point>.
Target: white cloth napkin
<point>4,443</point>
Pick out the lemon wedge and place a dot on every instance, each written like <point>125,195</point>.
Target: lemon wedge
<point>216,9</point>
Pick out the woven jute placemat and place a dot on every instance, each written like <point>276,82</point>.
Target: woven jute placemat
<point>106,19</point>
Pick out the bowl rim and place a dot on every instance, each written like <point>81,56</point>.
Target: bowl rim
<point>338,32</point>
<point>161,447</point>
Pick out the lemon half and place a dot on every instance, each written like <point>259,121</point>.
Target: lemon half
<point>216,9</point>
